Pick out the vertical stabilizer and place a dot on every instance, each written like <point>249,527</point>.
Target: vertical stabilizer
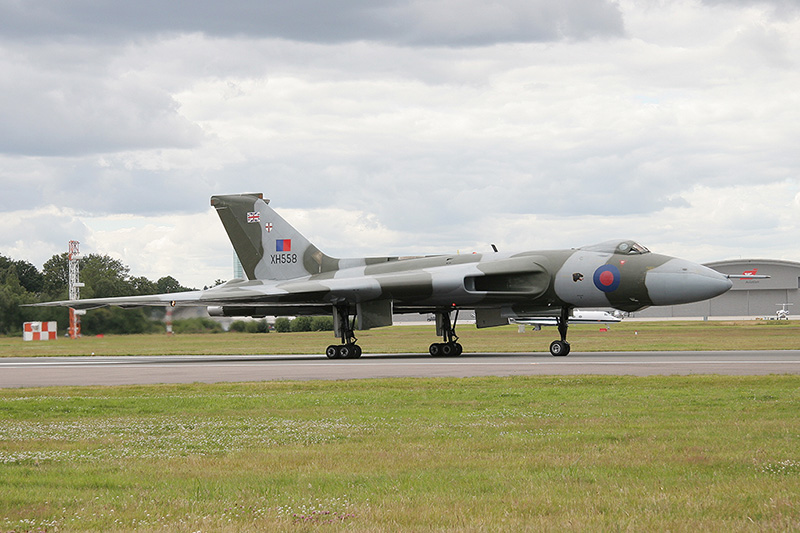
<point>267,245</point>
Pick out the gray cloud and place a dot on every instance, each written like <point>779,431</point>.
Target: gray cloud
<point>71,99</point>
<point>76,85</point>
<point>409,22</point>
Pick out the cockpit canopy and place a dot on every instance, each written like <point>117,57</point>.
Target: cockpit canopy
<point>617,247</point>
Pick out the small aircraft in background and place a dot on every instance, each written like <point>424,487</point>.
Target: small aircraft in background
<point>780,314</point>
<point>288,276</point>
<point>578,316</point>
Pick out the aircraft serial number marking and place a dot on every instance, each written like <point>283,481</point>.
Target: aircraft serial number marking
<point>282,259</point>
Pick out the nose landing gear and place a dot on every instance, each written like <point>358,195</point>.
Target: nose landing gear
<point>560,348</point>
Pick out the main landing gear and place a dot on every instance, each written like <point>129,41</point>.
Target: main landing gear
<point>342,323</point>
<point>561,348</point>
<point>447,329</point>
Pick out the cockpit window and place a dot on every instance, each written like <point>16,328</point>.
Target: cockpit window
<point>618,247</point>
<point>631,248</point>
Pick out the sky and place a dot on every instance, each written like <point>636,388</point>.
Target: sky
<point>397,127</point>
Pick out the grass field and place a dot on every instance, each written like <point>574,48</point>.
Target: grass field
<point>626,336</point>
<point>700,453</point>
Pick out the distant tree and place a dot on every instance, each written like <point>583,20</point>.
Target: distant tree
<point>169,284</point>
<point>104,277</point>
<point>239,326</point>
<point>12,295</point>
<point>283,325</point>
<point>196,325</point>
<point>28,275</point>
<point>141,286</point>
<point>301,323</point>
<point>113,320</point>
<point>257,326</point>
<point>56,277</point>
<point>322,323</point>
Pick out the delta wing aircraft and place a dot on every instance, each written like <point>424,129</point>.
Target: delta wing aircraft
<point>289,276</point>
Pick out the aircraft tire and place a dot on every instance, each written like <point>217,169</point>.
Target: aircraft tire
<point>559,348</point>
<point>346,351</point>
<point>332,351</point>
<point>459,350</point>
<point>354,351</point>
<point>448,349</point>
<point>435,349</point>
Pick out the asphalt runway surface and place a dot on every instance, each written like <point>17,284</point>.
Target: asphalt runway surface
<point>142,370</point>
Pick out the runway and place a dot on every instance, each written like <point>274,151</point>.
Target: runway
<point>142,370</point>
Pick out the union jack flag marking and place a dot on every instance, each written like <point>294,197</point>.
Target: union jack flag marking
<point>253,217</point>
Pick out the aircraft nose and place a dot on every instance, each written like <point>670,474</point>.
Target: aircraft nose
<point>680,282</point>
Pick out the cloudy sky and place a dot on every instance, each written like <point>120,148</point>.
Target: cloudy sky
<point>399,126</point>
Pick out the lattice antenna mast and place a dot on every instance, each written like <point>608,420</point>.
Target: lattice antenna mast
<point>74,283</point>
<point>74,290</point>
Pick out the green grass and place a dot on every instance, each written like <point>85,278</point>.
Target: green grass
<point>699,453</point>
<point>626,336</point>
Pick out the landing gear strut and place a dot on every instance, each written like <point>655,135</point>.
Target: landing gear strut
<point>447,329</point>
<point>344,326</point>
<point>561,348</point>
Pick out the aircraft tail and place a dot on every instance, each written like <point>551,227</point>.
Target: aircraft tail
<point>267,246</point>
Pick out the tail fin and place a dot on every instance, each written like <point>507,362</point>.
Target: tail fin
<point>268,246</point>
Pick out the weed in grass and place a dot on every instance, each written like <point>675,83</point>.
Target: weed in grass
<point>162,438</point>
<point>785,467</point>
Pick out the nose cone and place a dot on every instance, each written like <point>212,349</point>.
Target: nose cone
<point>681,282</point>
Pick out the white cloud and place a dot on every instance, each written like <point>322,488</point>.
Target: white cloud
<point>37,235</point>
<point>192,248</point>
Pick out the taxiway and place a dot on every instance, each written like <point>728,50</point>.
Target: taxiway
<point>141,370</point>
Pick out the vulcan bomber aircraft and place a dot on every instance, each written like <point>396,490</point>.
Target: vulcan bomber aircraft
<point>289,276</point>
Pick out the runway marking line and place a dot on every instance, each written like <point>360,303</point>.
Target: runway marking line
<point>267,363</point>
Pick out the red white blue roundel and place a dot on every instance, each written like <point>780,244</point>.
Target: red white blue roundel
<point>607,278</point>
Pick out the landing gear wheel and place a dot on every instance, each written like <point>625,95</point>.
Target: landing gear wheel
<point>451,349</point>
<point>346,351</point>
<point>355,351</point>
<point>332,352</point>
<point>559,348</point>
<point>435,349</point>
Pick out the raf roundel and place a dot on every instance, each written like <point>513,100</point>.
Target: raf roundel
<point>607,278</point>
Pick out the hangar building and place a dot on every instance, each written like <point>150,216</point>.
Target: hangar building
<point>748,297</point>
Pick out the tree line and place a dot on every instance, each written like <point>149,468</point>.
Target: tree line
<point>103,276</point>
